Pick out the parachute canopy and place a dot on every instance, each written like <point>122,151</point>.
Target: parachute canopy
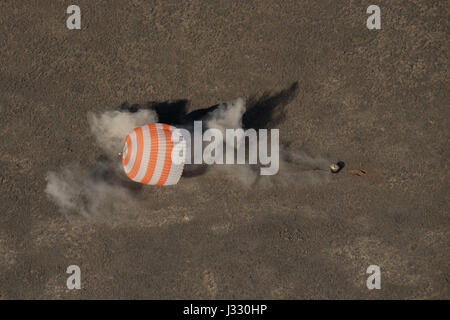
<point>154,154</point>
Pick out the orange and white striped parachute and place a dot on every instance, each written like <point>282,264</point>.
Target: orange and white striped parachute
<point>154,154</point>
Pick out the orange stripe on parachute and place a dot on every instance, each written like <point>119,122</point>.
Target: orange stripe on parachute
<point>153,154</point>
<point>140,147</point>
<point>128,156</point>
<point>168,156</point>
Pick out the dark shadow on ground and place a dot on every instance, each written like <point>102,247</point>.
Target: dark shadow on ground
<point>261,112</point>
<point>268,110</point>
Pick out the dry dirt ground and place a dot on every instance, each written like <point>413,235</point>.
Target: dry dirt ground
<point>375,99</point>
